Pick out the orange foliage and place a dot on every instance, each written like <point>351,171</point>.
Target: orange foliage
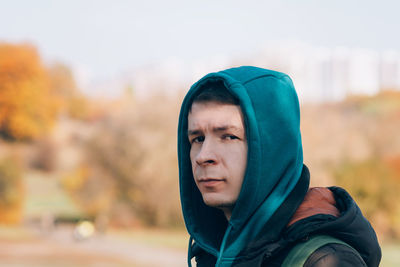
<point>11,191</point>
<point>27,105</point>
<point>394,163</point>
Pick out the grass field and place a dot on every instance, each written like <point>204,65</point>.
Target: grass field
<point>44,194</point>
<point>390,255</point>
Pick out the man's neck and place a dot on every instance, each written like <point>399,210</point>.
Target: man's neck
<point>227,212</point>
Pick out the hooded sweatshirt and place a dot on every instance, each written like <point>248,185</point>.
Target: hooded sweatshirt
<point>275,181</point>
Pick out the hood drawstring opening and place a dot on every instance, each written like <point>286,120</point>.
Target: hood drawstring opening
<point>190,252</point>
<point>228,230</point>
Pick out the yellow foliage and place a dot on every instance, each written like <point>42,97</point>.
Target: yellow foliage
<point>11,192</point>
<point>91,191</point>
<point>375,187</point>
<point>76,180</point>
<point>78,107</point>
<point>28,107</point>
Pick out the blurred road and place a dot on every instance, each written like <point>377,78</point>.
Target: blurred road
<point>60,250</point>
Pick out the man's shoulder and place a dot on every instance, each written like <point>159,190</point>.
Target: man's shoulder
<point>323,250</point>
<point>332,255</point>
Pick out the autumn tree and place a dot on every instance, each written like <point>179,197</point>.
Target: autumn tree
<point>64,86</point>
<point>11,191</point>
<point>28,107</point>
<point>132,157</point>
<point>374,181</point>
<point>375,186</point>
<point>90,189</point>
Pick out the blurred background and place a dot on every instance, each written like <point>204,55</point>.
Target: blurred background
<point>89,101</point>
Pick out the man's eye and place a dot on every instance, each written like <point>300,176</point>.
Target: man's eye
<point>198,139</point>
<point>229,137</point>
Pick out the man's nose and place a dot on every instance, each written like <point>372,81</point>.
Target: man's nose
<point>206,155</point>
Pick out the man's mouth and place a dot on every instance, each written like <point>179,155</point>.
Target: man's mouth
<point>210,182</point>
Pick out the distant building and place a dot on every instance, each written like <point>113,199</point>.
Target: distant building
<point>363,72</point>
<point>323,74</point>
<point>320,74</point>
<point>390,70</point>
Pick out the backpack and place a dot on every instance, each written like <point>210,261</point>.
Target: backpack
<point>299,254</point>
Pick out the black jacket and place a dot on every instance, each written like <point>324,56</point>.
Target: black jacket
<point>350,227</point>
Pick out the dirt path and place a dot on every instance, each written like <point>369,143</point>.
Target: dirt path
<point>60,250</point>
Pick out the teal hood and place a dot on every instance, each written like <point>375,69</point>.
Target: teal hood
<point>275,161</point>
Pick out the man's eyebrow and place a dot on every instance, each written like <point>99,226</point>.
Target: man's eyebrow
<point>225,127</point>
<point>194,132</point>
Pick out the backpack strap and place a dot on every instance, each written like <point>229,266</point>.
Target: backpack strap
<point>299,254</point>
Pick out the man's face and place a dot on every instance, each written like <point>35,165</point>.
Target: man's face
<point>218,152</point>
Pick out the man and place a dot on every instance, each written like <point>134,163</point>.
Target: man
<point>244,188</point>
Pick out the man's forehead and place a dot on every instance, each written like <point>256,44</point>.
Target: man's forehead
<point>215,115</point>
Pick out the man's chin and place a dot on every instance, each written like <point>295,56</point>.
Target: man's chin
<point>219,203</point>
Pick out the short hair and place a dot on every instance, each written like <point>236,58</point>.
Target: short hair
<point>215,91</point>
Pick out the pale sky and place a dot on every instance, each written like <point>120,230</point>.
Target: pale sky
<point>108,37</point>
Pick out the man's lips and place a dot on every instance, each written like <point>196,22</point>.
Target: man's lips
<point>209,182</point>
